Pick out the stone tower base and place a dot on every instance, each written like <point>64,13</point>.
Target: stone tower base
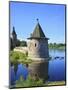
<point>39,59</point>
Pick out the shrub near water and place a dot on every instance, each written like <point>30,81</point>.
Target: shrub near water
<point>14,56</point>
<point>18,57</point>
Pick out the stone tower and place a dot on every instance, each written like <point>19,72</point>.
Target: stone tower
<point>38,44</point>
<point>39,54</point>
<point>14,37</point>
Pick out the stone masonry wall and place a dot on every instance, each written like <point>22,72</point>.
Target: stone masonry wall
<point>38,48</point>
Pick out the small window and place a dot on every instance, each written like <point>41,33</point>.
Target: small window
<point>35,44</point>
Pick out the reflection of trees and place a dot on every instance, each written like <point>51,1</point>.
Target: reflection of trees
<point>15,68</point>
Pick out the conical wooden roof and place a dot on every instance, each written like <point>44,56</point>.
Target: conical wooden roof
<point>38,33</point>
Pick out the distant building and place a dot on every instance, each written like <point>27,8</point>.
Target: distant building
<point>13,39</point>
<point>38,44</point>
<point>15,42</point>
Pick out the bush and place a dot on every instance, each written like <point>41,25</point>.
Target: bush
<point>16,57</point>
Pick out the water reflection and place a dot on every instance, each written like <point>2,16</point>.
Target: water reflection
<point>39,69</point>
<point>21,70</point>
<point>56,69</point>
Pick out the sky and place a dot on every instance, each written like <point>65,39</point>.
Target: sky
<point>23,16</point>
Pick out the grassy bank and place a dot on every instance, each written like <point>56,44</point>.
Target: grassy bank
<point>30,82</point>
<point>55,83</point>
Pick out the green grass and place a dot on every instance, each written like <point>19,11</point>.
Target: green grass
<point>30,82</point>
<point>55,83</point>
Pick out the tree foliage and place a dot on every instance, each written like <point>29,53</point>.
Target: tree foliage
<point>56,46</point>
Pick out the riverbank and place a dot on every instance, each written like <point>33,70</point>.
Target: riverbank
<point>54,83</point>
<point>48,83</point>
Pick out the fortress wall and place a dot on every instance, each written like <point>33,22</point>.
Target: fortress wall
<point>21,49</point>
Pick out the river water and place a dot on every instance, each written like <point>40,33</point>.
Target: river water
<point>56,69</point>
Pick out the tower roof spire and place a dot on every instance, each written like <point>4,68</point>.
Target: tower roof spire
<point>37,20</point>
<point>38,32</point>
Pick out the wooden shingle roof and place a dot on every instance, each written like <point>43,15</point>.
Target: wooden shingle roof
<point>38,32</point>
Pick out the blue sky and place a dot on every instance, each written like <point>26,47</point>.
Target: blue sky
<point>51,18</point>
